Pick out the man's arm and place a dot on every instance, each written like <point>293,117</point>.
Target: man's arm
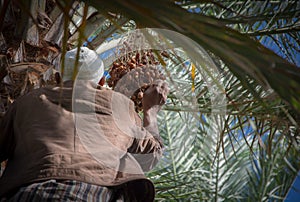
<point>153,99</point>
<point>148,150</point>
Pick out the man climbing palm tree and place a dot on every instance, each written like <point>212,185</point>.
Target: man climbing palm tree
<point>68,143</point>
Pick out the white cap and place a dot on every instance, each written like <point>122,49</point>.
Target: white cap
<point>90,66</point>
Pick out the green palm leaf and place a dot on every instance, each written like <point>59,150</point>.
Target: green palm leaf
<point>239,52</point>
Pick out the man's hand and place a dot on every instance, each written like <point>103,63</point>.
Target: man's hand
<point>154,97</point>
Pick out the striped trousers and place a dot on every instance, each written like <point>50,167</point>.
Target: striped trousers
<point>68,190</point>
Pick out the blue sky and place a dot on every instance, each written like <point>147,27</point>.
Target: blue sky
<point>294,193</point>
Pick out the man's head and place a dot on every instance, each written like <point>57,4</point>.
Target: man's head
<point>90,66</point>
